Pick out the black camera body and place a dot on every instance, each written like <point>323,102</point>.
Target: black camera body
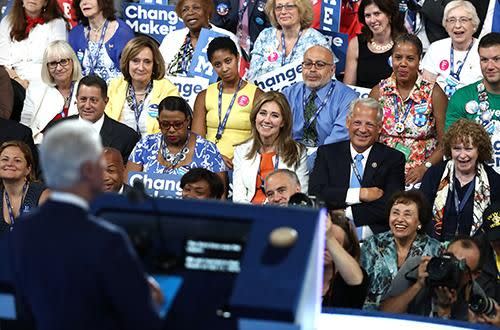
<point>481,304</point>
<point>446,271</point>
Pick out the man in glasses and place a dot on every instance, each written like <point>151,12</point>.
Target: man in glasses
<point>319,104</point>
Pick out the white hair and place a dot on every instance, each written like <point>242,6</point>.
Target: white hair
<point>369,102</point>
<point>467,6</point>
<point>64,150</point>
<point>60,49</point>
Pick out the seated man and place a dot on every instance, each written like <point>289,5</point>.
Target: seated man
<point>200,183</point>
<point>359,175</point>
<point>114,172</point>
<point>280,185</point>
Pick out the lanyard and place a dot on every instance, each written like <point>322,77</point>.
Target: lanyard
<point>62,113</point>
<point>356,172</point>
<point>262,182</point>
<point>222,124</point>
<point>460,204</point>
<point>322,105</point>
<point>241,12</point>
<point>405,114</point>
<point>283,47</point>
<point>92,59</point>
<point>138,106</point>
<point>185,60</point>
<point>456,75</point>
<point>9,206</point>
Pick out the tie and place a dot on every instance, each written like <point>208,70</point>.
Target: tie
<point>359,166</point>
<point>310,136</point>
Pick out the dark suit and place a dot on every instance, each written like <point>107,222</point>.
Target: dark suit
<point>12,130</point>
<point>331,176</point>
<point>74,271</point>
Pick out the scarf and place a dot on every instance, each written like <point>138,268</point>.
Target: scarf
<point>32,22</point>
<point>481,197</point>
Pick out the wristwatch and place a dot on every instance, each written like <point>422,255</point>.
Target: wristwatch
<point>428,164</point>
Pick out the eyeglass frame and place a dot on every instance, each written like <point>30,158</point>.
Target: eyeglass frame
<point>53,65</point>
<point>454,20</point>
<point>174,125</point>
<point>305,65</point>
<point>288,7</point>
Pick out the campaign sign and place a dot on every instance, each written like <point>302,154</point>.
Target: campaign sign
<point>158,184</point>
<point>330,15</point>
<point>361,91</point>
<point>68,11</point>
<point>153,20</point>
<point>495,140</point>
<point>158,2</point>
<point>280,78</point>
<point>5,9</point>
<point>189,87</point>
<point>338,44</point>
<point>200,66</point>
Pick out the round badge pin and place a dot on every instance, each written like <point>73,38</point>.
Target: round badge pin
<point>471,107</point>
<point>444,65</point>
<point>243,100</point>
<point>273,57</point>
<point>259,21</point>
<point>486,116</point>
<point>222,9</point>
<point>153,110</point>
<point>399,128</point>
<point>484,106</point>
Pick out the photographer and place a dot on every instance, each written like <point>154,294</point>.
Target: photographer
<point>440,286</point>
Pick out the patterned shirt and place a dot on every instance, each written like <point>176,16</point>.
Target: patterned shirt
<point>104,66</point>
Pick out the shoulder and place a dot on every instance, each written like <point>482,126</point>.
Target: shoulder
<point>175,35</point>
<point>116,84</point>
<point>243,148</point>
<point>123,29</point>
<point>376,240</point>
<point>77,30</point>
<point>387,151</point>
<point>343,88</point>
<point>333,147</point>
<point>14,126</point>
<point>222,31</point>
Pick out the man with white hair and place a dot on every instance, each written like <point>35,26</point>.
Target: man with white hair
<point>74,271</point>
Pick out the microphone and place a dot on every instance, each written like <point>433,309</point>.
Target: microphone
<point>138,192</point>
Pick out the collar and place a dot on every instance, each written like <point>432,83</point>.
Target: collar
<point>364,153</point>
<point>69,198</point>
<point>321,93</point>
<point>121,189</point>
<point>98,124</point>
<point>392,89</point>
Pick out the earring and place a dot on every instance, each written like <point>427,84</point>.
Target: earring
<point>419,227</point>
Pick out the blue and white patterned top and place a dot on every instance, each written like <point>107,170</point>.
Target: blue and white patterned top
<point>206,155</point>
<point>104,68</point>
<point>267,57</point>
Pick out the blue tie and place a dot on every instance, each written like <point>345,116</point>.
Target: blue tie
<point>355,183</point>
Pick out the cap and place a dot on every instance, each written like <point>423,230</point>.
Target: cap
<point>491,220</point>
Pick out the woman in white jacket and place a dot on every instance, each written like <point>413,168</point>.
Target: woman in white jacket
<point>270,147</point>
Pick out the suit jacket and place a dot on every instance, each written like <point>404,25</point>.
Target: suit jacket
<point>12,130</point>
<point>331,176</point>
<point>74,271</point>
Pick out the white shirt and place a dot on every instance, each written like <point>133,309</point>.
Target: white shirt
<point>352,196</point>
<point>127,116</point>
<point>69,198</point>
<point>97,125</point>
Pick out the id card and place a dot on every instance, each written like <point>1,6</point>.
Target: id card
<point>404,149</point>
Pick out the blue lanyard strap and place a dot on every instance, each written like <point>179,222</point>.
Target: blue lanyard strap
<point>223,122</point>
<point>92,59</point>
<point>452,61</point>
<point>322,105</point>
<point>9,205</point>
<point>138,106</point>
<point>407,110</point>
<point>283,47</point>
<point>185,60</point>
<point>241,12</point>
<point>460,204</point>
<point>262,180</point>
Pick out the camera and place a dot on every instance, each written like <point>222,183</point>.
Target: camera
<point>446,271</point>
<point>481,304</point>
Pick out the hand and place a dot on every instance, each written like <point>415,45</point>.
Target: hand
<point>415,174</point>
<point>445,297</point>
<point>370,194</point>
<point>422,271</point>
<point>483,318</point>
<point>228,162</point>
<point>156,293</point>
<point>12,73</point>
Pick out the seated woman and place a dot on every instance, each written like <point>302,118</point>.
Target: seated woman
<point>134,97</point>
<point>222,111</point>
<point>461,188</point>
<point>414,110</point>
<point>18,188</point>
<point>200,183</point>
<point>178,46</point>
<point>176,149</point>
<point>270,147</point>
<point>454,62</point>
<point>345,282</point>
<point>368,58</point>
<point>55,97</point>
<point>288,38</point>
<point>99,38</point>
<point>383,254</point>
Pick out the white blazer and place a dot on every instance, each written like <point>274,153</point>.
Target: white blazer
<point>41,105</point>
<point>245,172</point>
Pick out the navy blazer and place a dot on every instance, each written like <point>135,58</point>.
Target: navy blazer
<point>331,177</point>
<point>74,271</point>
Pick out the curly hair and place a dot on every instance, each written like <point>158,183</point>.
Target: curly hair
<point>305,13</point>
<point>468,132</point>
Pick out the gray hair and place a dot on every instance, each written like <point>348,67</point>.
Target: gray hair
<point>64,150</point>
<point>369,102</point>
<point>59,49</point>
<point>328,49</point>
<point>290,174</point>
<point>469,7</point>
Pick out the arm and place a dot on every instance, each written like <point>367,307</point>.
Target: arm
<point>7,96</point>
<point>375,92</point>
<point>455,110</point>
<point>59,30</point>
<point>44,197</point>
<point>351,64</point>
<point>427,75</point>
<point>239,188</point>
<point>5,41</point>
<point>131,167</point>
<point>199,125</point>
<point>256,57</point>
<point>28,108</point>
<point>258,93</point>
<point>302,171</point>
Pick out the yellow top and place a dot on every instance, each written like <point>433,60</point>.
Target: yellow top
<point>238,128</point>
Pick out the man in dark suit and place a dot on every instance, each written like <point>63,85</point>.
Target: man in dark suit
<point>114,172</point>
<point>360,174</point>
<point>12,130</point>
<point>72,270</point>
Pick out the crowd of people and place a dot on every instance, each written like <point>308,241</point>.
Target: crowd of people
<point>410,175</point>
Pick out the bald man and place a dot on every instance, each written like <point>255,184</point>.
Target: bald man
<point>114,171</point>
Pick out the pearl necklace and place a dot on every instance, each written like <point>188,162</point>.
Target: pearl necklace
<point>382,48</point>
<point>96,30</point>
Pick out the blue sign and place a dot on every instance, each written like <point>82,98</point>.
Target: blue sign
<point>158,184</point>
<point>338,43</point>
<point>154,20</point>
<point>330,15</point>
<point>200,65</point>
<point>5,9</point>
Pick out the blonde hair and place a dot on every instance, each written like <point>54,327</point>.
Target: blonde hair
<point>305,13</point>
<point>60,49</point>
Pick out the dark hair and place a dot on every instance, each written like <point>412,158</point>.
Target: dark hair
<point>489,40</point>
<point>106,6</point>
<point>201,174</point>
<point>175,103</point>
<point>388,7</point>
<point>28,156</point>
<point>469,243</point>
<point>408,38</point>
<point>221,43</point>
<point>94,81</point>
<point>351,244</point>
<point>18,19</point>
<point>412,196</point>
<point>133,47</point>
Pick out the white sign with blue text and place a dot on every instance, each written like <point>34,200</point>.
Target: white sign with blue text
<point>330,15</point>
<point>158,184</point>
<point>338,44</point>
<point>189,87</point>
<point>200,65</point>
<point>278,79</point>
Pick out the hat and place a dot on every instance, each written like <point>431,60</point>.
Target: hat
<point>491,220</point>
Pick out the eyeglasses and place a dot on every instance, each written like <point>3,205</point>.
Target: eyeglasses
<point>461,20</point>
<point>320,65</point>
<point>287,7</point>
<point>63,63</point>
<point>177,125</point>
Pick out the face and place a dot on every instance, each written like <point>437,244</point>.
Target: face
<point>459,26</point>
<point>279,188</point>
<point>113,172</point>
<point>376,20</point>
<point>33,8</point>
<point>269,121</point>
<point>90,8</point>
<point>196,190</point>
<point>471,257</point>
<point>61,69</point>
<point>287,13</point>
<point>90,103</point>
<point>194,15</point>
<point>225,64</point>
<point>173,125</point>
<point>140,67</point>
<point>464,157</point>
<point>405,62</point>
<point>403,220</point>
<point>363,127</point>
<point>490,64</point>
<point>13,165</point>
<point>322,67</point>
<point>340,236</point>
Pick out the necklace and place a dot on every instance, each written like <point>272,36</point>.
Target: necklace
<point>97,29</point>
<point>175,159</point>
<point>382,48</point>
